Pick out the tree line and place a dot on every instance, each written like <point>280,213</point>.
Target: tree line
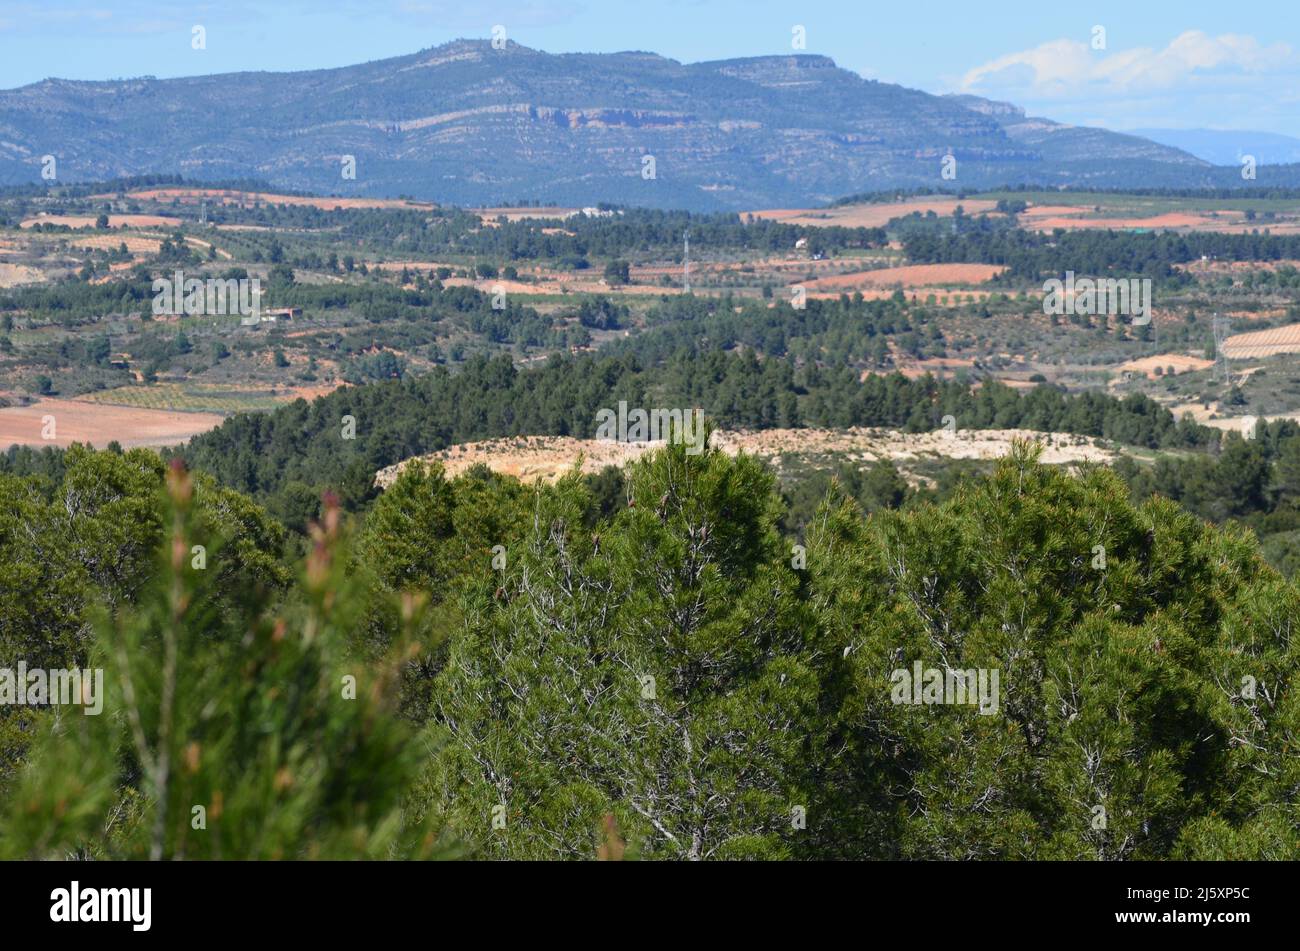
<point>1030,255</point>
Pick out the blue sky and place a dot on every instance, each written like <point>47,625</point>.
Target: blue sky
<point>1173,64</point>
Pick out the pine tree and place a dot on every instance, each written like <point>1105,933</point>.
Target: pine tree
<point>654,671</point>
<point>227,734</point>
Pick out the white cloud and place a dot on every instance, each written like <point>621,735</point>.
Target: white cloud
<point>1069,68</point>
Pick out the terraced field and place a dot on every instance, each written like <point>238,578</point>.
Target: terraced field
<point>195,397</point>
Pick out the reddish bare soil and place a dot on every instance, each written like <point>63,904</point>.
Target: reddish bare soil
<point>872,216</point>
<point>912,275</point>
<point>1263,343</point>
<point>1166,222</point>
<point>1179,363</point>
<point>134,243</point>
<point>114,221</point>
<point>98,424</point>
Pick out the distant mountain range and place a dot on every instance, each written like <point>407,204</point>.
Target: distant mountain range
<point>469,124</point>
<point>1227,148</point>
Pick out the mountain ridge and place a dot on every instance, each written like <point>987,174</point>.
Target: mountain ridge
<point>466,123</point>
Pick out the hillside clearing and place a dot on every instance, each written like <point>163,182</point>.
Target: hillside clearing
<point>550,457</point>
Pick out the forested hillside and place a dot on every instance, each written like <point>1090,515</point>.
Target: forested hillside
<point>488,669</point>
<point>289,457</point>
<point>296,452</point>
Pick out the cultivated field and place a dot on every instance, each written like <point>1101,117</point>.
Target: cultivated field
<point>1166,362</point>
<point>912,275</point>
<point>114,221</point>
<point>1082,219</point>
<point>872,215</point>
<point>230,197</point>
<point>1087,211</point>
<point>1128,205</point>
<point>135,244</point>
<point>201,397</point>
<point>1263,343</point>
<point>98,425</point>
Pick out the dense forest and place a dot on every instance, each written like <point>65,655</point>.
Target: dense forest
<point>610,232</point>
<point>487,669</point>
